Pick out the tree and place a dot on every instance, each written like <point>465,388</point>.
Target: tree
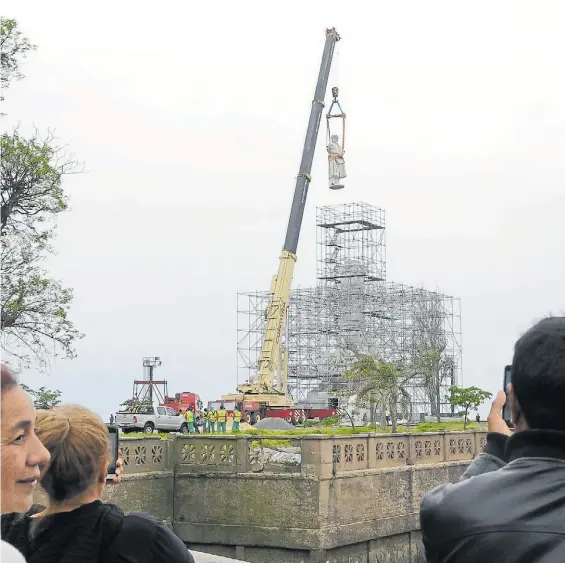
<point>382,383</point>
<point>34,307</point>
<point>468,398</point>
<point>44,398</point>
<point>32,174</point>
<point>13,47</point>
<point>430,360</point>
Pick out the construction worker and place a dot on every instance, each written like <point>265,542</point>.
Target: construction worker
<point>189,415</point>
<point>236,420</point>
<point>212,420</point>
<point>221,417</point>
<point>205,421</point>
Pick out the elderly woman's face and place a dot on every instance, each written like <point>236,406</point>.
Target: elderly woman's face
<point>22,452</point>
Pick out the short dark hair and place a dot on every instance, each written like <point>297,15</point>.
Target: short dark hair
<point>538,374</point>
<point>8,378</point>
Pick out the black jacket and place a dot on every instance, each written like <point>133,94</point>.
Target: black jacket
<point>93,533</point>
<point>509,506</point>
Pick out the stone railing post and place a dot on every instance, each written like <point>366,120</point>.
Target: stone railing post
<point>171,452</point>
<point>242,455</point>
<point>476,443</point>
<point>317,455</point>
<point>411,454</point>
<point>445,438</point>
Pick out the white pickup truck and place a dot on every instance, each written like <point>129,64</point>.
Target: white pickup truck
<point>148,418</point>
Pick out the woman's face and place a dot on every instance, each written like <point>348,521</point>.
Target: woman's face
<point>22,452</point>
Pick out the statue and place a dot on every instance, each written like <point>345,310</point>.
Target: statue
<point>336,163</point>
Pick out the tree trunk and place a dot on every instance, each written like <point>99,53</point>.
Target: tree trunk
<point>409,419</point>
<point>383,415</point>
<point>438,396</point>
<point>394,413</point>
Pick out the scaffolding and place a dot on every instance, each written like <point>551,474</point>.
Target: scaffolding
<point>327,328</point>
<point>354,311</point>
<point>350,240</point>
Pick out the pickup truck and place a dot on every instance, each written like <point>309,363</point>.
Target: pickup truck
<point>148,419</point>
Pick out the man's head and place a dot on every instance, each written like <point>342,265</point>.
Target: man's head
<point>537,393</point>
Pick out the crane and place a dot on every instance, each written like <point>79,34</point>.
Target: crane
<point>263,387</point>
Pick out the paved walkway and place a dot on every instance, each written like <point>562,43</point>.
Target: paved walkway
<point>200,557</point>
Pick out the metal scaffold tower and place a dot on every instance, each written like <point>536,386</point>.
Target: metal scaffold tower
<point>353,311</point>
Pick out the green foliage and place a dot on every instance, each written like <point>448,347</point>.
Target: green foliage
<point>448,426</point>
<point>376,382</point>
<point>135,403</point>
<point>44,398</point>
<point>14,46</point>
<point>339,431</point>
<point>35,324</point>
<point>32,173</point>
<point>34,308</point>
<point>271,443</point>
<point>467,398</point>
<point>328,421</point>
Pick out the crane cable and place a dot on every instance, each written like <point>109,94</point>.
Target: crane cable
<point>335,101</point>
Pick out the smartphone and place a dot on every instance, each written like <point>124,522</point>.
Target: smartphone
<point>113,446</point>
<point>507,411</point>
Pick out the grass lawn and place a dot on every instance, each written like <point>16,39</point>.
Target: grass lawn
<point>339,431</point>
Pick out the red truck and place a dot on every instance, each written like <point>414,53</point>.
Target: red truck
<point>254,411</point>
<point>182,401</point>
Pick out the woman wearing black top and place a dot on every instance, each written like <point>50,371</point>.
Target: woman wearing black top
<point>76,526</point>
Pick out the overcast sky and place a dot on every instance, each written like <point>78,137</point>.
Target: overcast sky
<point>191,120</point>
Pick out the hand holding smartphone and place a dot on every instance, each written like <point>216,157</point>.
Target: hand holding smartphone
<point>113,450</point>
<point>507,410</point>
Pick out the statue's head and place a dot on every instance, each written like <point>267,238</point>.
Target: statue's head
<point>334,138</point>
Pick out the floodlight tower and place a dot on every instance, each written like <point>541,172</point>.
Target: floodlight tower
<point>149,364</point>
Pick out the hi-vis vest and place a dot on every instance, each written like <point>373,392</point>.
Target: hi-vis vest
<point>189,415</point>
<point>222,413</point>
<point>236,416</point>
<point>211,416</point>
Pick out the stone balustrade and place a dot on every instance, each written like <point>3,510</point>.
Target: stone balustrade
<point>306,454</point>
<point>142,455</point>
<point>311,498</point>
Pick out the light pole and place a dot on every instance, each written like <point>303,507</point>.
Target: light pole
<point>149,364</point>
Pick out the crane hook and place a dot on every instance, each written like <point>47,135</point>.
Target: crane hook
<point>335,93</point>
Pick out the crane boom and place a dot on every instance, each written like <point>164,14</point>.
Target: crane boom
<point>270,358</point>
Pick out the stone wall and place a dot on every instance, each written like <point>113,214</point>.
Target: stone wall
<point>327,498</point>
<point>349,498</point>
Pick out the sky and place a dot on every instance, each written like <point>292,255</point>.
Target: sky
<point>191,119</point>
